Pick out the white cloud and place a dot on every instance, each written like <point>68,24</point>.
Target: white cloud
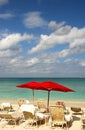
<point>11,40</point>
<point>78,37</point>
<point>9,53</point>
<point>53,62</point>
<point>53,25</point>
<point>67,52</point>
<point>32,61</point>
<point>2,2</point>
<point>74,37</point>
<point>82,63</point>
<point>33,20</point>
<point>43,65</point>
<point>18,66</point>
<point>6,15</point>
<point>49,41</point>
<point>18,62</point>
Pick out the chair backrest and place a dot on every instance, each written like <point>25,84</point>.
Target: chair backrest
<point>21,101</point>
<point>76,109</point>
<point>6,116</point>
<point>6,108</point>
<point>41,104</point>
<point>57,113</point>
<point>61,103</point>
<point>42,107</point>
<point>28,115</point>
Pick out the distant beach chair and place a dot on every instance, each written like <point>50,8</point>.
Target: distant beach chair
<point>30,119</point>
<point>61,103</point>
<point>83,122</point>
<point>57,116</point>
<point>77,110</point>
<point>21,101</point>
<point>41,105</point>
<point>6,106</point>
<point>9,118</point>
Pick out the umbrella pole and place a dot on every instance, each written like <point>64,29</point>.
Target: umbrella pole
<point>33,96</point>
<point>48,101</point>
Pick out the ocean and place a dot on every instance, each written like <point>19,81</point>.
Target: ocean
<point>8,89</point>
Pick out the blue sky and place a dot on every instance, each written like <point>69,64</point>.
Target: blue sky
<point>42,38</point>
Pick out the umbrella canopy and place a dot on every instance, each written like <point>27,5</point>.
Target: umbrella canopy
<point>30,85</point>
<point>49,86</point>
<point>53,86</point>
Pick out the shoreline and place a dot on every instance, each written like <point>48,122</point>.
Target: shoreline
<point>68,103</point>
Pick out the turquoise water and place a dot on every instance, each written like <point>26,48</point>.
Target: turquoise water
<point>8,89</point>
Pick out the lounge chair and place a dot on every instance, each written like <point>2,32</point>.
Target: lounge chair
<point>57,116</point>
<point>83,122</point>
<point>21,101</point>
<point>30,119</point>
<point>42,107</point>
<point>61,103</point>
<point>77,110</point>
<point>9,119</point>
<point>6,106</point>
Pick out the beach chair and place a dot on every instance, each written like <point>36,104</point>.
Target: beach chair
<point>42,107</point>
<point>57,117</point>
<point>8,118</point>
<point>83,122</point>
<point>61,103</point>
<point>30,119</point>
<point>6,106</point>
<point>77,110</point>
<point>21,101</point>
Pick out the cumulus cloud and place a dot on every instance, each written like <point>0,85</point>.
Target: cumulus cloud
<point>6,15</point>
<point>2,2</point>
<point>17,65</point>
<point>18,61</point>
<point>11,40</point>
<point>73,36</point>
<point>9,52</point>
<point>32,61</point>
<point>34,20</point>
<point>49,61</point>
<point>43,65</point>
<point>53,25</point>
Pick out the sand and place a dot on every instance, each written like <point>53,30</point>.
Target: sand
<point>76,125</point>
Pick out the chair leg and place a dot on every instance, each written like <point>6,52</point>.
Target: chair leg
<point>66,126</point>
<point>83,127</point>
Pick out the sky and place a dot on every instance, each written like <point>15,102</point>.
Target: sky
<point>42,38</point>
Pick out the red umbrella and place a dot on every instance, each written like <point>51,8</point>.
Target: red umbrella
<point>31,85</point>
<point>46,85</point>
<point>53,86</point>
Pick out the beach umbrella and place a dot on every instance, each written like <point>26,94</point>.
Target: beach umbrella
<point>53,86</point>
<point>30,85</point>
<point>47,86</point>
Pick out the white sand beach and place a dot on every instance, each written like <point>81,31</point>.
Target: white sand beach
<point>76,124</point>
